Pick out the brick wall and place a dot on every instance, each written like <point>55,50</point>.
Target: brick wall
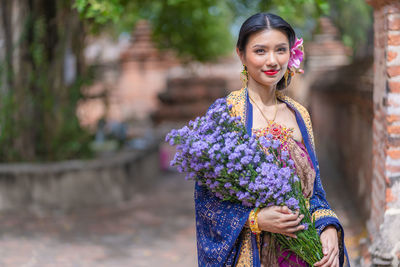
<point>384,223</point>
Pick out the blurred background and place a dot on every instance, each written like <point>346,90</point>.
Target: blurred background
<point>89,88</point>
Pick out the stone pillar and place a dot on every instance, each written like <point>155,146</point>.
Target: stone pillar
<point>384,222</point>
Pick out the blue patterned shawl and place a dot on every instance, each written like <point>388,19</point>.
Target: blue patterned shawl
<point>219,223</point>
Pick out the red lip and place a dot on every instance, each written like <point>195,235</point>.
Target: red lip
<point>271,72</point>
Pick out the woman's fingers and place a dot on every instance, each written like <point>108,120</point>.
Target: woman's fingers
<point>289,234</point>
<point>322,261</point>
<point>332,256</point>
<point>336,262</point>
<point>330,247</point>
<point>293,222</point>
<point>285,209</point>
<point>280,220</point>
<point>283,217</point>
<point>294,229</point>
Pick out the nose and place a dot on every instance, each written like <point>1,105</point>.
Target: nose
<point>271,60</point>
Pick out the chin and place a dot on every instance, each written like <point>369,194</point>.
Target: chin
<point>270,82</point>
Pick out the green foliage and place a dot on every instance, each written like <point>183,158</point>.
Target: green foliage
<point>203,33</point>
<point>37,110</point>
<point>100,11</point>
<point>59,133</point>
<point>70,140</point>
<point>7,129</point>
<point>201,29</point>
<point>354,19</point>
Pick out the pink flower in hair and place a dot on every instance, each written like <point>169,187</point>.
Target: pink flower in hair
<point>296,54</point>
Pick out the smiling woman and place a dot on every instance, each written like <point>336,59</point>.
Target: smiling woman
<point>235,235</point>
<point>266,56</point>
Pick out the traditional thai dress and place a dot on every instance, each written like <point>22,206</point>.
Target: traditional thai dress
<point>223,238</point>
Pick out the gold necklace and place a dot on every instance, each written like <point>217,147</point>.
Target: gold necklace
<point>262,113</point>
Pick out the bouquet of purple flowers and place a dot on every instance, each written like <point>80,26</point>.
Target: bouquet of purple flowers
<point>216,151</point>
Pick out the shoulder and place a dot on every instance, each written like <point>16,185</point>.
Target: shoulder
<point>299,107</point>
<point>237,96</point>
<point>234,98</point>
<point>238,101</point>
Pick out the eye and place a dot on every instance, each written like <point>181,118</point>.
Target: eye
<point>282,49</point>
<point>260,51</point>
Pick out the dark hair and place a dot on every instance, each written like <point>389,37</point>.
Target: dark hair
<point>264,21</point>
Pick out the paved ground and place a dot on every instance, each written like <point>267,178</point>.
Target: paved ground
<point>156,228</point>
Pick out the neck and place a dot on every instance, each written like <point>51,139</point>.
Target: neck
<point>261,93</point>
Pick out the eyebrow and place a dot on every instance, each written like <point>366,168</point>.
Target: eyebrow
<point>264,46</point>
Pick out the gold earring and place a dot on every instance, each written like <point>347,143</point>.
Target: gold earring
<point>244,76</point>
<point>286,75</point>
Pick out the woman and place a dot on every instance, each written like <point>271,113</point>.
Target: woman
<point>265,47</point>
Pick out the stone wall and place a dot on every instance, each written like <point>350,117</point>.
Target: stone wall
<point>186,98</point>
<point>341,109</point>
<point>77,184</point>
<point>340,104</point>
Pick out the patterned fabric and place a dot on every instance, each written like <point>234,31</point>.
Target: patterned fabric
<point>245,257</point>
<point>219,224</point>
<point>278,132</point>
<point>304,168</point>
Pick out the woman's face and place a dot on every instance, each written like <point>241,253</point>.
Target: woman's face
<point>266,56</point>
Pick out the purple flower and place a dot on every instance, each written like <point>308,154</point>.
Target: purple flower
<point>292,203</point>
<point>243,182</point>
<point>276,144</point>
<point>228,185</point>
<point>234,156</point>
<point>238,167</point>
<point>219,195</point>
<point>217,146</point>
<point>218,169</point>
<point>285,172</point>
<point>246,203</point>
<point>245,160</point>
<point>270,158</point>
<point>265,142</point>
<point>240,148</point>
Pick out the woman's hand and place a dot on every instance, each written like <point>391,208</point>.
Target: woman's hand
<point>278,219</point>
<point>330,248</point>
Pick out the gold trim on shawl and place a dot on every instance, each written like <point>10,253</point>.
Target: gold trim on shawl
<point>238,101</point>
<point>321,213</point>
<point>245,258</point>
